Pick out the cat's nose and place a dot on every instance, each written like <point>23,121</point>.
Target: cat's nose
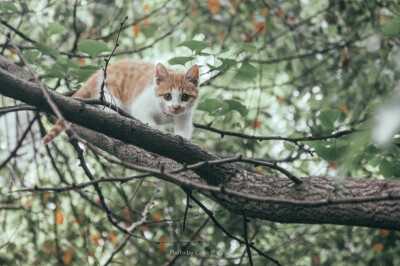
<point>176,107</point>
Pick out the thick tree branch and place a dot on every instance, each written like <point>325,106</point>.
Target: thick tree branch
<point>355,201</point>
<point>223,133</point>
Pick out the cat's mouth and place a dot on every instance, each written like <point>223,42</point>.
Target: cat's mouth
<point>166,114</point>
<point>175,112</point>
<point>171,113</point>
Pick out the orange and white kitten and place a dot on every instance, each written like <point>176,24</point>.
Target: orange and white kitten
<point>152,94</point>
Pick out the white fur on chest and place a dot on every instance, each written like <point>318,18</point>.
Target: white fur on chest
<point>145,107</point>
<point>149,109</point>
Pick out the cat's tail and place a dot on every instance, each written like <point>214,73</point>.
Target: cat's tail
<point>88,90</point>
<point>54,132</point>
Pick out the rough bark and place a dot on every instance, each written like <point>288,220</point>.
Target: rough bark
<point>275,199</point>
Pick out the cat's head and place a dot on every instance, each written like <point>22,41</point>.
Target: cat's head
<point>176,93</point>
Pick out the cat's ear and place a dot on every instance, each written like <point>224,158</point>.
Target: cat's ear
<point>192,75</point>
<point>161,74</point>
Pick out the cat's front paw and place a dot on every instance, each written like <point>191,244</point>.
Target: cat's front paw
<point>184,134</point>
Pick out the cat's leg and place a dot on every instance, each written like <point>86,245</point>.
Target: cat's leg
<point>145,118</point>
<point>149,121</point>
<point>183,126</point>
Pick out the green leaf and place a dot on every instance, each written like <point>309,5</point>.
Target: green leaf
<point>328,118</point>
<point>213,67</point>
<point>62,60</point>
<point>55,28</point>
<point>331,151</point>
<point>90,67</point>
<point>249,48</point>
<point>93,48</point>
<point>226,63</point>
<point>234,106</point>
<point>375,161</point>
<point>391,27</point>
<point>396,171</point>
<point>371,149</point>
<point>386,168</point>
<point>371,108</point>
<point>194,45</point>
<point>180,60</point>
<point>289,146</point>
<point>246,72</point>
<point>59,69</point>
<point>31,56</point>
<point>331,154</point>
<point>224,50</point>
<point>204,54</point>
<point>209,105</point>
<point>46,50</point>
<point>73,63</point>
<point>85,72</point>
<point>351,15</point>
<point>53,73</point>
<point>9,6</point>
<point>225,108</point>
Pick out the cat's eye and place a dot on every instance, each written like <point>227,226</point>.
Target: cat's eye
<point>168,96</point>
<point>185,97</point>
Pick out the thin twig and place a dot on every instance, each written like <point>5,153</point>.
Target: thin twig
<point>186,209</point>
<point>110,214</point>
<point>104,84</point>
<point>20,34</point>
<point>159,38</point>
<point>227,233</point>
<point>14,152</point>
<point>299,56</point>
<point>74,26</point>
<point>132,228</point>
<point>178,253</point>
<point>261,138</point>
<point>11,207</point>
<point>246,240</point>
<point>16,108</point>
<point>96,187</point>
<point>118,249</point>
<point>135,22</point>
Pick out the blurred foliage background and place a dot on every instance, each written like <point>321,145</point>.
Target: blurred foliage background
<point>268,68</point>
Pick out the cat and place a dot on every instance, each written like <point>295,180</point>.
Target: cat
<point>154,95</point>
